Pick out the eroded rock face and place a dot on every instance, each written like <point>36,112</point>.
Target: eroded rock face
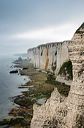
<point>61,112</point>
<point>75,99</point>
<point>54,108</point>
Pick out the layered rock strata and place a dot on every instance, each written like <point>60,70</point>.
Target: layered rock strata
<point>66,112</point>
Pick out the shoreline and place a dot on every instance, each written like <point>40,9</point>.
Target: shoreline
<point>38,92</point>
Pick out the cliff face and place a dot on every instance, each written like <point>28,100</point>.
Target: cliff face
<point>65,112</point>
<point>48,55</point>
<point>75,100</point>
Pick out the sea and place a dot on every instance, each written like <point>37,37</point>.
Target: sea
<point>9,84</point>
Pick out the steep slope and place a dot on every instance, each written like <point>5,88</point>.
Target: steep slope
<point>61,112</point>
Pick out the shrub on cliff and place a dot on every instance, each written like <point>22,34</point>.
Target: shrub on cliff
<point>50,77</point>
<point>66,70</point>
<point>61,87</point>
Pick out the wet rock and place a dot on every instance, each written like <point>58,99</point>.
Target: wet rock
<point>14,71</point>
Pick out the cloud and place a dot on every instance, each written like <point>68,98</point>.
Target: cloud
<point>21,41</point>
<point>51,33</point>
<point>47,34</point>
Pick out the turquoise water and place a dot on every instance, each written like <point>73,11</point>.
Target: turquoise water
<point>8,85</point>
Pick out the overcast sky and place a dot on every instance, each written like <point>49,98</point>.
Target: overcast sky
<point>28,23</point>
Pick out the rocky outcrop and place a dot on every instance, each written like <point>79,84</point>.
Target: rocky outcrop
<point>66,112</point>
<point>54,108</point>
<point>76,95</point>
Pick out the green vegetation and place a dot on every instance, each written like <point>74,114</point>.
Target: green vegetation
<point>50,77</point>
<point>66,70</point>
<point>62,88</point>
<point>23,101</point>
<point>20,121</point>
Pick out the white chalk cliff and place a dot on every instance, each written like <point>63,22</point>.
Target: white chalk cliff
<point>59,111</point>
